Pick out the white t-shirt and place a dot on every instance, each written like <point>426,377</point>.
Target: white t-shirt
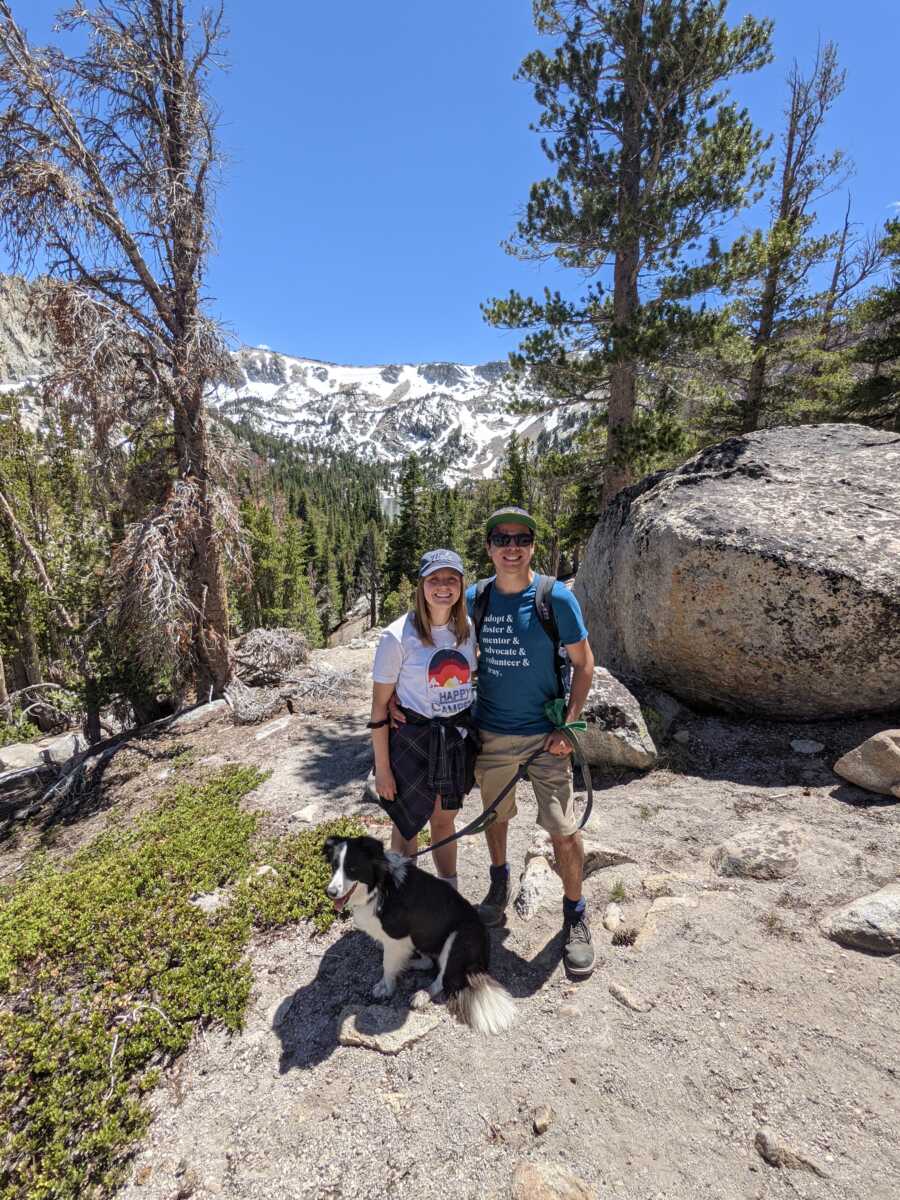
<point>434,680</point>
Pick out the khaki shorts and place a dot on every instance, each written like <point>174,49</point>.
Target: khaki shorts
<point>550,775</point>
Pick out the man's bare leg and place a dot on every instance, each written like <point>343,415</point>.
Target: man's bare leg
<point>496,835</point>
<point>569,853</point>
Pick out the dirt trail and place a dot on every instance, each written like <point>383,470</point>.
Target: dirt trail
<point>753,1019</point>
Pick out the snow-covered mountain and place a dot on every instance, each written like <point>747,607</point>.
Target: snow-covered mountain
<point>460,413</point>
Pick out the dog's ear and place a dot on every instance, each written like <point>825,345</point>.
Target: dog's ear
<point>331,844</point>
<point>380,870</point>
<point>374,848</point>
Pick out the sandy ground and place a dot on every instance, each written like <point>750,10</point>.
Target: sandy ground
<point>753,1019</point>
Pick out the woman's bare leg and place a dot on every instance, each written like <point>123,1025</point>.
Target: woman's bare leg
<point>443,823</point>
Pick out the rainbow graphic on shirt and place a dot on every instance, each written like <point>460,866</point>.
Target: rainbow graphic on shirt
<point>449,682</point>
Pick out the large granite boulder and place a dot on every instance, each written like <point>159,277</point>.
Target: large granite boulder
<point>762,576</point>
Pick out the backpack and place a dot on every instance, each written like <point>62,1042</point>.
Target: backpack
<point>543,586</point>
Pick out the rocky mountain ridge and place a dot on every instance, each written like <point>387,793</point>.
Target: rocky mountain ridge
<point>459,415</point>
<point>462,414</point>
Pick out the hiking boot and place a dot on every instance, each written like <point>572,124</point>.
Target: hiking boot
<point>493,906</point>
<point>578,950</point>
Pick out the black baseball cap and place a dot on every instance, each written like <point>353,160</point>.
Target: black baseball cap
<point>434,560</point>
<point>511,515</point>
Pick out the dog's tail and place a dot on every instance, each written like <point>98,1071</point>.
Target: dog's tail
<point>483,1005</point>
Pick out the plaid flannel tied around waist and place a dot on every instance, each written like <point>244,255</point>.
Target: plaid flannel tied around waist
<point>439,746</point>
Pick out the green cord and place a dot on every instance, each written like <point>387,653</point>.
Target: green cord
<point>555,712</point>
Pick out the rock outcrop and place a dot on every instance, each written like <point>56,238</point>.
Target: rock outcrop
<point>762,576</point>
<point>616,734</point>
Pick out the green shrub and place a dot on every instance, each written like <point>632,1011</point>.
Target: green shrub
<point>19,729</point>
<point>106,968</point>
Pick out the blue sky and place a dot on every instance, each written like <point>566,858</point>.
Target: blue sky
<point>379,152</point>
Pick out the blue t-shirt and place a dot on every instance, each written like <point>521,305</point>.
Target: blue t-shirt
<point>516,674</point>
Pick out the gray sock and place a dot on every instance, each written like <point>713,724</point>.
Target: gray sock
<point>453,880</point>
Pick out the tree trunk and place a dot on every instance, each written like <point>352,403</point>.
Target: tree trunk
<point>4,693</point>
<point>831,297</point>
<point>623,373</point>
<point>756,383</point>
<point>206,582</point>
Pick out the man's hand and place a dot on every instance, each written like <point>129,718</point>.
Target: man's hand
<point>557,743</point>
<point>397,717</point>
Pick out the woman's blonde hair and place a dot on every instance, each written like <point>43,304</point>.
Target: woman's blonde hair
<point>459,617</point>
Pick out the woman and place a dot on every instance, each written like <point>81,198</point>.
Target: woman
<point>423,768</point>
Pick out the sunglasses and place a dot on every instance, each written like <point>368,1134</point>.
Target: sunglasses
<point>512,539</point>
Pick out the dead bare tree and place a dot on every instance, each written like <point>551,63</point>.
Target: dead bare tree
<point>107,165</point>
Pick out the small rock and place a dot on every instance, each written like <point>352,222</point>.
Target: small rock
<point>541,847</point>
<point>387,1030</point>
<point>776,1154</point>
<point>272,727</point>
<point>875,765</point>
<point>658,885</point>
<point>807,746</point>
<point>571,1011</point>
<point>759,852</point>
<point>681,736</point>
<point>598,856</point>
<point>612,917</point>
<point>871,923</point>
<point>547,1181</point>
<point>542,1118</point>
<point>629,999</point>
<point>310,815</point>
<point>210,902</point>
<point>539,888</point>
<point>142,1175</point>
<point>265,871</point>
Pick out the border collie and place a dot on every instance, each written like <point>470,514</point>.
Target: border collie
<point>407,909</point>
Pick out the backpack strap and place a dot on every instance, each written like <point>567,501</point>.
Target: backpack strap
<point>543,605</point>
<point>480,604</point>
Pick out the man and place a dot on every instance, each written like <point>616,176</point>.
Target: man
<point>516,677</point>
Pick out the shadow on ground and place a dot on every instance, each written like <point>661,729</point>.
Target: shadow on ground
<point>306,1021</point>
<point>339,757</point>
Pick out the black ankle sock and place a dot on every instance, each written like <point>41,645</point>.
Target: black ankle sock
<point>498,873</point>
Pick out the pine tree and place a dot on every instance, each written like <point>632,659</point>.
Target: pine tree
<point>876,399</point>
<point>397,602</point>
<point>406,540</point>
<point>649,159</point>
<point>781,360</point>
<point>513,472</point>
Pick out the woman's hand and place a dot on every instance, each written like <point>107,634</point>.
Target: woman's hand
<point>385,784</point>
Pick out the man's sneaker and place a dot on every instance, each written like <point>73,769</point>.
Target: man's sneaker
<point>578,951</point>
<point>493,906</point>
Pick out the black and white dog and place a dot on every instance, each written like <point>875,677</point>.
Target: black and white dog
<point>407,909</point>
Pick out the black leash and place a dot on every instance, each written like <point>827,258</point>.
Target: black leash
<point>488,815</point>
